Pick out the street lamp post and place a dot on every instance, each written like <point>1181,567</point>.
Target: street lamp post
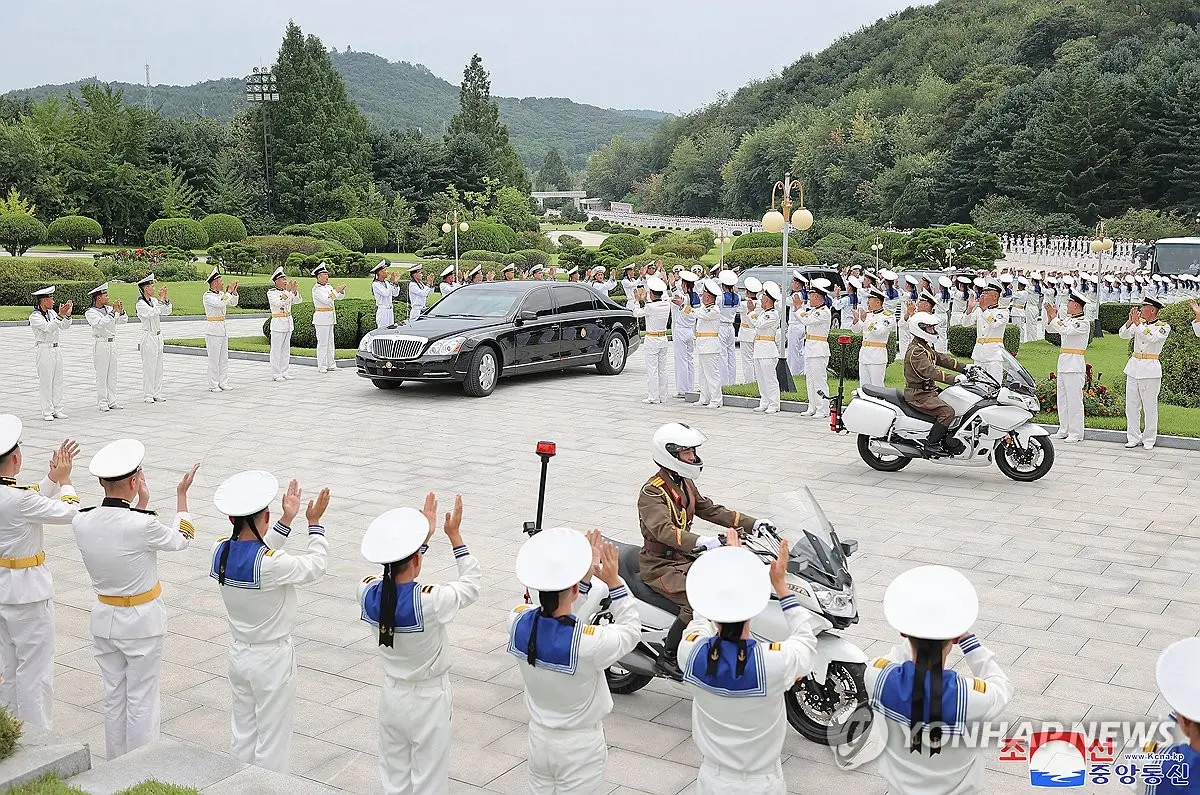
<point>776,221</point>
<point>1099,246</point>
<point>456,226</point>
<point>723,241</point>
<point>262,90</point>
<point>877,246</point>
<point>950,257</point>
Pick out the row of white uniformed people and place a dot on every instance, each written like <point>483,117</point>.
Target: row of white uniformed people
<point>737,682</point>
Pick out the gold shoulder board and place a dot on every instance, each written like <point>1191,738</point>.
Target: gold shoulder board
<point>692,637</point>
<point>588,629</point>
<point>980,686</point>
<point>426,589</point>
<point>270,552</point>
<point>521,608</point>
<point>368,579</point>
<point>776,646</point>
<point>882,662</point>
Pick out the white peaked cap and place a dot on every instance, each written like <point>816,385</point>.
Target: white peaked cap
<point>278,274</point>
<point>246,493</point>
<point>772,289</point>
<point>728,584</point>
<point>688,276</point>
<point>887,275</point>
<point>10,432</point>
<point>944,281</point>
<point>727,278</point>
<point>146,280</point>
<point>753,285</point>
<point>712,286</point>
<point>45,291</point>
<point>655,284</point>
<point>394,535</point>
<point>382,264</point>
<point>449,269</point>
<point>554,559</point>
<point>117,459</point>
<point>1178,675</point>
<point>101,289</point>
<point>931,603</point>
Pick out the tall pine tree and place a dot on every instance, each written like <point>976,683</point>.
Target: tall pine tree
<point>554,174</point>
<point>479,115</point>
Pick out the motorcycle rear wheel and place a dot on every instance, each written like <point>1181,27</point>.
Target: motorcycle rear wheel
<point>831,712</point>
<point>623,682</point>
<point>1021,470</point>
<point>875,461</point>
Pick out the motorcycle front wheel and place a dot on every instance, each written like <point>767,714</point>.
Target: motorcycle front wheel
<point>830,712</point>
<point>1025,465</point>
<point>883,463</point>
<point>623,682</point>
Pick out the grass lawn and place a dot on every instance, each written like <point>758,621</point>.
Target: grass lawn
<point>256,345</point>
<point>1106,355</point>
<point>51,785</point>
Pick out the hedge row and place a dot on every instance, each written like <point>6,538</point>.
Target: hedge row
<point>849,353</point>
<point>756,257</point>
<point>355,317</point>
<point>51,269</point>
<point>20,293</point>
<point>962,340</point>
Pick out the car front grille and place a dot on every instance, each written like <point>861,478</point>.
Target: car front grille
<point>392,348</point>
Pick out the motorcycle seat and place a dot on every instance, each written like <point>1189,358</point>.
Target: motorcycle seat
<point>896,398</point>
<point>630,571</point>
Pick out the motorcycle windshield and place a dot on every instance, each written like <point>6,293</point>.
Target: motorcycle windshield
<point>1015,372</point>
<point>815,552</point>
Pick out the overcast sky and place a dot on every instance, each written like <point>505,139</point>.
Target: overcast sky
<point>672,55</point>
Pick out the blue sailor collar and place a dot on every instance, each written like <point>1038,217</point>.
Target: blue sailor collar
<point>726,682</point>
<point>244,567</point>
<point>409,616</point>
<point>893,696</point>
<point>557,641</point>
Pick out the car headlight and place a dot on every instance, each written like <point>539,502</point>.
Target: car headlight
<point>836,603</point>
<point>365,345</point>
<point>446,347</point>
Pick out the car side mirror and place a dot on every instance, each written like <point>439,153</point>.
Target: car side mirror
<point>525,316</point>
<point>849,547</point>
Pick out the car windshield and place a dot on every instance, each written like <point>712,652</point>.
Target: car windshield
<point>477,300</point>
<point>1176,258</point>
<point>815,552</point>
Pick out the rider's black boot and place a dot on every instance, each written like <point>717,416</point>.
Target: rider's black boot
<point>668,663</point>
<point>933,444</point>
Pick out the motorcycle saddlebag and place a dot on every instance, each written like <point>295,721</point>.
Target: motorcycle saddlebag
<point>866,416</point>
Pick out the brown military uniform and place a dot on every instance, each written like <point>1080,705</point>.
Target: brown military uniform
<point>922,373</point>
<point>665,513</point>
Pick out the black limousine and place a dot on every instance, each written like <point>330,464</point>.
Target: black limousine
<point>482,332</point>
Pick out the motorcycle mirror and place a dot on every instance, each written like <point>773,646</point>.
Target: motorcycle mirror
<point>849,547</point>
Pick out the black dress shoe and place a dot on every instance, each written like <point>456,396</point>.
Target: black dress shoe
<point>668,666</point>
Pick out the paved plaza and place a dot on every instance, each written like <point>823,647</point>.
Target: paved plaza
<point>1083,577</point>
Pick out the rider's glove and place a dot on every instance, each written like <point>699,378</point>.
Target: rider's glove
<point>961,378</point>
<point>764,525</point>
<point>706,543</point>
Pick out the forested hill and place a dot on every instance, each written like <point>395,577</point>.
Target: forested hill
<point>1084,107</point>
<point>401,95</point>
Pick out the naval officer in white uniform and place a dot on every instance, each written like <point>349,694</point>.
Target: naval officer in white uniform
<point>104,320</point>
<point>384,289</point>
<point>151,309</point>
<point>216,337</point>
<point>282,296</point>
<point>324,296</point>
<point>47,323</point>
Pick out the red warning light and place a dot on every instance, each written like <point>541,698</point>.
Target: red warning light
<point>546,448</point>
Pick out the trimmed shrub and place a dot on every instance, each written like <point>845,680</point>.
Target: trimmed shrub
<point>752,257</point>
<point>432,250</point>
<point>253,296</point>
<point>20,293</point>
<point>569,241</point>
<point>355,317</point>
<point>536,241</point>
<point>341,263</point>
<point>578,257</point>
<point>181,232</point>
<point>654,237</point>
<point>1180,358</point>
<point>10,733</point>
<point>20,232</point>
<point>849,353</point>
<point>481,236</point>
<point>177,270</point>
<point>834,241</point>
<point>765,240</point>
<point>961,340</point>
<point>688,250</point>
<point>1113,316</point>
<point>484,256</point>
<point>276,248</point>
<point>75,231</point>
<point>303,230</point>
<point>236,258</point>
<point>595,226</point>
<point>342,232</point>
<point>222,228</point>
<point>527,258</point>
<point>49,268</point>
<point>702,237</point>
<point>623,246</point>
<point>373,235</point>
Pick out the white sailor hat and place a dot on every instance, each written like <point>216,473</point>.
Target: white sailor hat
<point>925,295</point>
<point>944,281</point>
<point>1077,297</point>
<point>799,277</point>
<point>10,432</point>
<point>715,269</point>
<point>887,275</point>
<point>572,271</point>
<point>712,286</point>
<point>117,460</point>
<point>537,268</point>
<point>554,560</point>
<point>1006,278</point>
<point>1067,280</point>
<point>752,285</point>
<point>875,292</point>
<point>1130,280</point>
<point>697,269</point>
<point>446,271</point>
<point>278,273</point>
<point>910,279</point>
<point>854,282</point>
<point>1022,281</point>
<point>382,264</point>
<point>45,291</point>
<point>677,269</point>
<point>512,267</point>
<point>821,283</point>
<point>1139,278</point>
<point>930,603</point>
<point>478,269</point>
<point>414,268</point>
<point>1051,280</point>
<point>813,287</point>
<point>728,585</point>
<point>1152,301</point>
<point>97,290</point>
<point>394,535</point>
<point>1175,673</point>
<point>772,289</point>
<point>991,284</point>
<point>727,278</point>
<point>1036,276</point>
<point>1108,279</point>
<point>980,282</point>
<point>322,268</point>
<point>146,280</point>
<point>655,284</point>
<point>689,276</point>
<point>600,270</point>
<point>964,280</point>
<point>215,272</point>
<point>246,493</point>
<point>856,267</point>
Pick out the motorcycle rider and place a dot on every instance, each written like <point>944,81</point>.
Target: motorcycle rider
<point>737,682</point>
<point>668,503</point>
<point>922,373</point>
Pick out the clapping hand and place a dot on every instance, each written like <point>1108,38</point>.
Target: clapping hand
<point>291,503</point>
<point>65,309</point>
<point>316,508</point>
<point>62,460</point>
<point>341,289</point>
<point>162,293</point>
<point>608,569</point>
<point>1196,309</point>
<point>430,512</point>
<point>119,307</point>
<point>677,300</point>
<point>453,522</point>
<point>1051,311</point>
<point>1136,316</point>
<point>185,482</point>
<point>779,571</point>
<point>143,490</point>
<point>233,288</point>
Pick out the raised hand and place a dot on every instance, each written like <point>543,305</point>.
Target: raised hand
<point>779,571</point>
<point>430,512</point>
<point>1051,311</point>
<point>609,565</point>
<point>233,288</point>
<point>62,460</point>
<point>453,522</point>
<point>185,482</point>
<point>596,539</point>
<point>65,309</point>
<point>143,490</point>
<point>291,503</point>
<point>1196,309</point>
<point>316,508</point>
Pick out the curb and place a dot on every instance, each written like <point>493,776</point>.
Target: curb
<point>40,752</point>
<point>1093,434</point>
<point>167,319</point>
<point>254,356</point>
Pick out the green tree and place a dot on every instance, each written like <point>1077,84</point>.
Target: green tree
<point>14,202</point>
<point>553,174</point>
<point>612,170</point>
<point>411,165</point>
<point>20,231</point>
<point>479,115</point>
<point>373,204</point>
<point>399,222</point>
<point>973,249</point>
<point>179,199</point>
<point>228,189</point>
<point>512,209</point>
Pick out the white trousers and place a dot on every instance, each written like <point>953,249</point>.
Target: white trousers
<point>816,378</point>
<point>872,374</point>
<point>263,678</point>
<point>50,378</point>
<point>281,353</point>
<point>325,358</point>
<point>768,383</point>
<point>104,355</point>
<point>795,349</point>
<point>129,670</point>
<point>27,661</point>
<point>1070,403</point>
<point>942,343</point>
<point>384,316</point>
<point>749,370</point>
<point>728,355</point>
<point>152,365</point>
<point>566,762</point>
<point>905,339</point>
<point>710,378</point>
<point>685,351</point>
<point>994,369</point>
<point>1141,398</point>
<point>415,311</point>
<point>218,361</point>
<point>656,371</point>
<point>414,736</point>
<point>715,780</point>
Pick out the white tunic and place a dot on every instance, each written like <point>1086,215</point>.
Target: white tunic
<point>281,302</point>
<point>151,314</point>
<point>215,307</point>
<point>323,296</point>
<point>1148,340</point>
<point>418,294</point>
<point>708,325</point>
<point>816,322</point>
<point>104,322</point>
<point>657,314</point>
<point>1075,332</point>
<point>989,332</point>
<point>765,323</point>
<point>383,292</point>
<point>23,511</point>
<point>46,327</point>
<point>875,328</point>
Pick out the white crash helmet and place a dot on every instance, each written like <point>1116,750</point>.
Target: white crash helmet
<point>920,319</point>
<point>670,440</point>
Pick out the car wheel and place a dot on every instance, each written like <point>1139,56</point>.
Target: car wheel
<point>385,383</point>
<point>615,354</point>
<point>482,372</point>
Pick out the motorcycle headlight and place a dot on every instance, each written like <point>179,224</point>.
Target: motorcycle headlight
<point>446,347</point>
<point>365,345</point>
<point>836,603</point>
